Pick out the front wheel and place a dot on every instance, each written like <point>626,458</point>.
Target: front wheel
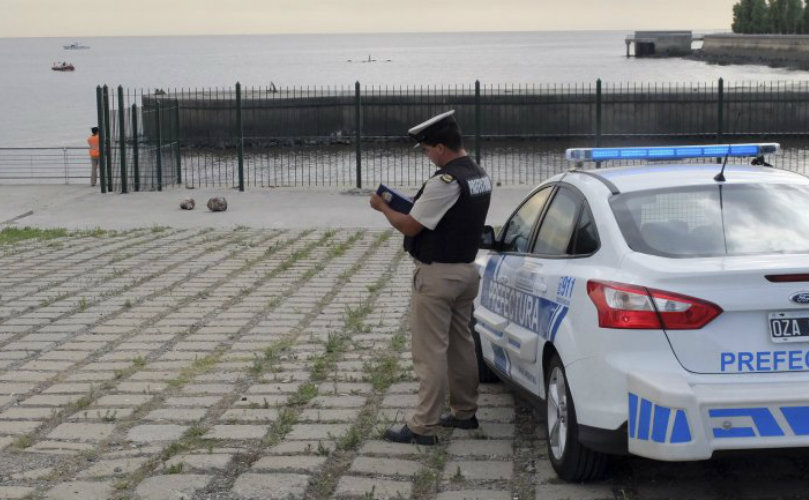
<point>570,460</point>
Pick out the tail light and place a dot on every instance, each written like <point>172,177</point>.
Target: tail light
<point>630,306</point>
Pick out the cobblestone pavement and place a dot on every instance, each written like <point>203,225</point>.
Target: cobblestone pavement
<point>208,364</point>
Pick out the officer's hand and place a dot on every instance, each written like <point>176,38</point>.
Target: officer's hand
<point>377,203</point>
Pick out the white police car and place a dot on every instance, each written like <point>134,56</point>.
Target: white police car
<point>660,310</point>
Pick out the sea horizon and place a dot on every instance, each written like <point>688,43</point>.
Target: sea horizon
<point>46,108</point>
<point>201,35</point>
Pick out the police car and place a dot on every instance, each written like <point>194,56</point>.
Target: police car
<point>658,309</point>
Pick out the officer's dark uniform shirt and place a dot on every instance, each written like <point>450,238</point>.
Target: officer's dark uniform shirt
<point>452,207</point>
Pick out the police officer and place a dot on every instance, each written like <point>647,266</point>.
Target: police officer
<point>442,233</point>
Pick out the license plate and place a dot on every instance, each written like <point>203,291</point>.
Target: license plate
<point>790,326</point>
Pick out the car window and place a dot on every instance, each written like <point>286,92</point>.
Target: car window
<point>586,237</point>
<point>518,229</point>
<point>557,225</point>
<point>729,219</point>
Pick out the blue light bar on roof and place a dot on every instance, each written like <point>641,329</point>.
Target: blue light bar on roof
<point>671,152</point>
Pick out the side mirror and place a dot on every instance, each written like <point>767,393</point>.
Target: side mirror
<point>487,240</point>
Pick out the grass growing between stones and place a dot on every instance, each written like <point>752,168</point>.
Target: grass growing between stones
<point>23,442</point>
<point>322,485</point>
<point>11,235</point>
<point>427,480</point>
<point>288,416</point>
<point>199,367</point>
<point>383,371</point>
<point>306,392</point>
<point>176,468</point>
<point>355,317</point>
<point>322,364</point>
<point>191,439</point>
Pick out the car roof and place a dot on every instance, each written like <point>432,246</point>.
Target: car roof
<point>655,176</point>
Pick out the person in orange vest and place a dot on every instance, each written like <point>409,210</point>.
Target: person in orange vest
<point>95,154</point>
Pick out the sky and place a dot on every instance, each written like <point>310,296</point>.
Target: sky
<point>86,18</point>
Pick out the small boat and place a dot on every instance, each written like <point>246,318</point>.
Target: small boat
<point>75,46</point>
<point>63,66</point>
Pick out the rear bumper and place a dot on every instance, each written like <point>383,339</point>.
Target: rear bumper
<point>672,419</point>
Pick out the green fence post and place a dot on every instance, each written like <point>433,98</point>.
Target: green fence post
<point>159,150</point>
<point>598,112</point>
<point>477,121</point>
<point>358,131</point>
<point>108,144</point>
<point>598,117</point>
<point>177,141</point>
<point>122,135</point>
<point>240,131</point>
<point>135,167</point>
<point>720,112</point>
<point>102,139</point>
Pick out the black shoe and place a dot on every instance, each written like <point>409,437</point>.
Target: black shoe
<point>449,420</point>
<point>405,435</point>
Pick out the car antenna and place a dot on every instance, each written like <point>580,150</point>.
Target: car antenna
<point>720,177</point>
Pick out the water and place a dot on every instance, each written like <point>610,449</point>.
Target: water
<point>41,107</point>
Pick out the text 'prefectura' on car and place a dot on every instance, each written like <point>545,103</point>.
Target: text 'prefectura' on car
<point>658,309</point>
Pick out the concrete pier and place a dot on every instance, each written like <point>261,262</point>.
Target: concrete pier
<point>661,43</point>
<point>772,50</point>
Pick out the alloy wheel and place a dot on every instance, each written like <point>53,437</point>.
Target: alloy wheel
<point>557,413</point>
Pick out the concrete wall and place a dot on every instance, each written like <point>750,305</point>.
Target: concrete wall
<point>783,50</point>
<point>644,111</point>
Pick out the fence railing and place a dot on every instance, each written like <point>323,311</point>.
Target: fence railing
<point>268,136</point>
<point>69,165</point>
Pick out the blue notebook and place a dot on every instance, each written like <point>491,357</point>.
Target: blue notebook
<point>396,199</point>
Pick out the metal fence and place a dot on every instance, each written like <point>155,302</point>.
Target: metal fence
<point>341,137</point>
<point>44,165</point>
<point>130,159</point>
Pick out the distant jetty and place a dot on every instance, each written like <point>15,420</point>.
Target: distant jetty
<point>780,51</point>
<point>661,43</point>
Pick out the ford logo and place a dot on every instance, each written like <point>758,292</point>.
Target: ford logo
<point>800,298</point>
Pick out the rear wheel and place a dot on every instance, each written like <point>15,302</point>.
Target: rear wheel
<point>485,374</point>
<point>570,460</point>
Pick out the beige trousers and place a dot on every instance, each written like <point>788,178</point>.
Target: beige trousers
<point>443,347</point>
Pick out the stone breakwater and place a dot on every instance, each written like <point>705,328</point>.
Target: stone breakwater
<point>262,364</point>
<point>790,51</point>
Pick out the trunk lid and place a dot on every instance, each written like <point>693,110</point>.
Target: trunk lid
<point>741,339</point>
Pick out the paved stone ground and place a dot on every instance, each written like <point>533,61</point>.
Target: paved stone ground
<point>263,364</point>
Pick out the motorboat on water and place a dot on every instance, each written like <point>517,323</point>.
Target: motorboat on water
<point>75,46</point>
<point>63,66</point>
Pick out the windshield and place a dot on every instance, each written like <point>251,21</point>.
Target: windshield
<point>735,219</point>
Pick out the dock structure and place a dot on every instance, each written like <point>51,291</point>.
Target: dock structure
<point>661,43</point>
